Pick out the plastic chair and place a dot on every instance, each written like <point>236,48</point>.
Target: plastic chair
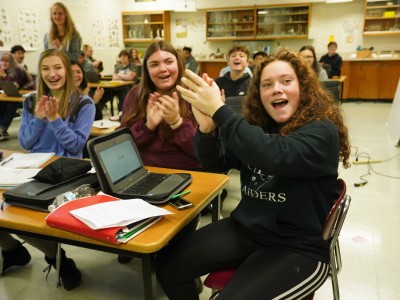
<point>332,226</point>
<point>333,87</point>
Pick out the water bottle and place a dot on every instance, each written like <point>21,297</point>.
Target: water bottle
<point>83,190</point>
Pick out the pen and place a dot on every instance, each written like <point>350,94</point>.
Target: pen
<point>6,161</point>
<point>181,194</point>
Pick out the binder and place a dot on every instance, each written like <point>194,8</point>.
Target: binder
<point>61,218</point>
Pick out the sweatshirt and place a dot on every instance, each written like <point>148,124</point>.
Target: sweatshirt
<point>287,183</point>
<point>233,87</point>
<point>64,137</point>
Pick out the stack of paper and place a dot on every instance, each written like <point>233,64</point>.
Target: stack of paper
<point>26,160</point>
<point>10,178</point>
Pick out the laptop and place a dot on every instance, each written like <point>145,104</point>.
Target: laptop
<point>92,77</point>
<point>10,89</point>
<point>120,170</point>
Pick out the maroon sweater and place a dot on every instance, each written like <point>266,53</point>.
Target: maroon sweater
<point>154,149</point>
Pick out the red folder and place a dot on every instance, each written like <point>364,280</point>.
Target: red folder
<point>62,218</point>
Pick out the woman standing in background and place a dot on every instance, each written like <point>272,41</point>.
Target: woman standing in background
<point>63,33</point>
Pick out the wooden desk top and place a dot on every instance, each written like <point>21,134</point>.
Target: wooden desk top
<point>341,79</point>
<point>110,84</point>
<point>205,186</point>
<point>5,98</point>
<point>95,131</point>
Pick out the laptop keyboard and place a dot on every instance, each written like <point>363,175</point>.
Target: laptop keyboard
<point>143,186</point>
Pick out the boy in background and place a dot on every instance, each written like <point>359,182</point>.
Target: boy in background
<point>236,81</point>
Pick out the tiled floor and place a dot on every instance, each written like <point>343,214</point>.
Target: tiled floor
<point>369,239</point>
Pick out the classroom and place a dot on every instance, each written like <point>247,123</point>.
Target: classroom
<point>367,33</point>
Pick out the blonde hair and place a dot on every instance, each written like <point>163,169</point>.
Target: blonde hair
<point>70,87</point>
<point>69,26</point>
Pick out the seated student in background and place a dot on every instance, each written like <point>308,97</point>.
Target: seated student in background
<point>190,61</point>
<point>333,59</point>
<point>308,53</point>
<point>125,70</point>
<point>86,64</point>
<point>258,57</point>
<point>11,71</point>
<point>161,122</point>
<point>228,68</point>
<point>287,147</point>
<point>97,64</point>
<point>46,127</point>
<point>135,57</point>
<point>236,81</point>
<point>81,82</point>
<point>19,54</point>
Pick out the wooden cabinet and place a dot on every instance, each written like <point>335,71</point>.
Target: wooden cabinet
<point>279,22</point>
<point>258,22</point>
<point>372,80</point>
<point>230,24</point>
<point>145,27</point>
<point>381,17</point>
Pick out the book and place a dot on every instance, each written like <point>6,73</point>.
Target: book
<point>10,177</point>
<point>62,218</point>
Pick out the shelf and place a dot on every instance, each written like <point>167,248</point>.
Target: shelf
<point>382,18</point>
<point>145,27</point>
<point>263,22</point>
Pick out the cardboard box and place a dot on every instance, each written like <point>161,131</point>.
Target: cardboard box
<point>364,53</point>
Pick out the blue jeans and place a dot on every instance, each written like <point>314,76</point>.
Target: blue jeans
<point>7,114</point>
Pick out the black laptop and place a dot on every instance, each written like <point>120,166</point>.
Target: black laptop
<point>121,172</point>
<point>92,77</point>
<point>10,89</point>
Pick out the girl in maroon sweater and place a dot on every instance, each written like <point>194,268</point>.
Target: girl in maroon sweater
<point>163,127</point>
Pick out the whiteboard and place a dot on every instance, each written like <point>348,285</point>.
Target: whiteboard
<point>393,123</point>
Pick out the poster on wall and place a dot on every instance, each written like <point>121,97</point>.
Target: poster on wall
<point>28,28</point>
<point>106,33</point>
<point>6,40</point>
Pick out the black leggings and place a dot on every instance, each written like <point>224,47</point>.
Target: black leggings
<point>263,272</point>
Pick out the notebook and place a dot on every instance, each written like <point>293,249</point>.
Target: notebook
<point>92,77</point>
<point>10,89</point>
<point>120,170</point>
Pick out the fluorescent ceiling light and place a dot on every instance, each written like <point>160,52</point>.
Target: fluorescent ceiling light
<point>338,1</point>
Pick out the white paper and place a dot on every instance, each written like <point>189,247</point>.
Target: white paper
<point>105,124</point>
<point>13,177</point>
<point>26,160</point>
<point>117,213</point>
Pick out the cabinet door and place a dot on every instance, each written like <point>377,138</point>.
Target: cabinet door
<point>282,22</point>
<point>230,24</point>
<point>364,80</point>
<point>389,78</point>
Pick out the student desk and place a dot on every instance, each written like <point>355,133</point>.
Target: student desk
<point>95,131</point>
<point>111,85</point>
<point>205,187</point>
<point>5,98</point>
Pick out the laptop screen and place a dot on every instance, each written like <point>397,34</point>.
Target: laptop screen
<point>120,161</point>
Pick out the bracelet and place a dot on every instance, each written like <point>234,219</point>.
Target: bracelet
<point>175,122</point>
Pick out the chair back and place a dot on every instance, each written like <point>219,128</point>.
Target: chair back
<point>337,214</point>
<point>236,102</point>
<point>332,87</point>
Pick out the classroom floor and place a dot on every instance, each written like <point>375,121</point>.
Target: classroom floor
<point>369,241</point>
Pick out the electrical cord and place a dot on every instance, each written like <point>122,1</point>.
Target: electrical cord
<point>370,168</point>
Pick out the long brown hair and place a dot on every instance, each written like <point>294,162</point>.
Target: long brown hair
<point>315,104</point>
<point>147,86</point>
<point>69,26</point>
<point>70,87</point>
